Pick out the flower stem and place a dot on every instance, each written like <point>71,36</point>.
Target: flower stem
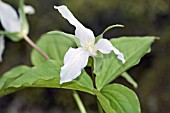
<point>79,102</point>
<point>30,42</point>
<point>92,73</point>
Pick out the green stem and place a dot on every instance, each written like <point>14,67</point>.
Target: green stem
<point>99,107</point>
<point>93,75</point>
<point>79,102</point>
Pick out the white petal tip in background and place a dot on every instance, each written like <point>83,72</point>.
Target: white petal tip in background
<point>29,9</point>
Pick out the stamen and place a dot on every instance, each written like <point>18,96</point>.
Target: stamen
<point>90,48</point>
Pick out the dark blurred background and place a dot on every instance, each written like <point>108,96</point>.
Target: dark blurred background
<point>140,18</point>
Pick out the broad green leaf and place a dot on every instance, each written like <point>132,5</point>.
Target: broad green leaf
<point>54,44</point>
<point>98,61</point>
<point>120,98</point>
<point>45,71</point>
<point>70,36</point>
<point>46,75</point>
<point>133,48</point>
<point>130,79</point>
<point>104,102</point>
<point>12,74</point>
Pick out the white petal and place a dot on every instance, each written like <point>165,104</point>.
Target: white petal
<point>29,9</point>
<point>84,34</point>
<point>9,18</point>
<point>105,46</point>
<point>2,47</point>
<point>74,61</point>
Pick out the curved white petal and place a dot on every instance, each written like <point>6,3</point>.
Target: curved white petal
<point>105,46</point>
<point>28,9</point>
<point>9,18</point>
<point>74,61</point>
<point>84,34</point>
<point>2,47</point>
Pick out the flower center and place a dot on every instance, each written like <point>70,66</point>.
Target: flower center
<point>90,48</point>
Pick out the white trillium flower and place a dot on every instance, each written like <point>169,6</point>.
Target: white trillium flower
<point>9,18</point>
<point>76,59</point>
<point>10,21</point>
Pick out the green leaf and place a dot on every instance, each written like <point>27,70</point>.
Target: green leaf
<point>133,48</point>
<point>119,98</point>
<point>104,102</point>
<point>46,75</point>
<point>98,61</point>
<point>82,83</point>
<point>130,79</point>
<point>12,75</point>
<point>54,44</point>
<point>70,36</point>
<point>107,29</point>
